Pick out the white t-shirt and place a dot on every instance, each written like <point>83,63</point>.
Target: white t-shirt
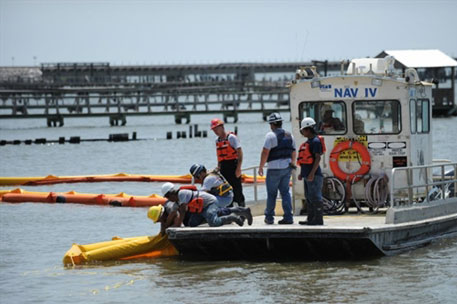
<point>184,197</point>
<point>233,141</point>
<point>211,181</point>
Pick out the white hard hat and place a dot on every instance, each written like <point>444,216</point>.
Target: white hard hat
<point>274,117</point>
<point>167,187</point>
<point>307,122</point>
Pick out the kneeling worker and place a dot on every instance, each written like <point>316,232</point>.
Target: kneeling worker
<point>167,214</point>
<point>200,204</point>
<point>215,183</point>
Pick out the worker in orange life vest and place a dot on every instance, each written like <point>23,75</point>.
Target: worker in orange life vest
<point>201,205</point>
<point>229,158</point>
<point>309,156</point>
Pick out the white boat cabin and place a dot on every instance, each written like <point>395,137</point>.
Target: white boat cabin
<point>388,114</point>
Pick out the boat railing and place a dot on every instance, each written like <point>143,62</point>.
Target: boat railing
<point>427,188</point>
<point>255,184</point>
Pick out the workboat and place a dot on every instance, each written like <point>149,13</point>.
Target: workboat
<point>383,192</point>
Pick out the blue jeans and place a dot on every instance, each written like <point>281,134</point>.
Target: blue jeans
<point>224,201</point>
<point>209,214</point>
<point>278,179</point>
<point>313,190</point>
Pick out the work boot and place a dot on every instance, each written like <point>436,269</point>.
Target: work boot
<point>228,219</point>
<point>311,214</point>
<point>318,213</point>
<point>244,212</point>
<point>285,222</point>
<point>269,222</point>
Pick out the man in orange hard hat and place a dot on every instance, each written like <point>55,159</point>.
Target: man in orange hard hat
<point>229,158</point>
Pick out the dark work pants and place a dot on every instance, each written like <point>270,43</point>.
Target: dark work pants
<point>228,168</point>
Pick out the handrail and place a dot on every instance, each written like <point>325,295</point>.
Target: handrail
<point>441,160</point>
<point>254,184</point>
<point>443,180</point>
<point>254,174</point>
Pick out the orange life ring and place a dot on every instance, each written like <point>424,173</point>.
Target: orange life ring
<point>364,166</point>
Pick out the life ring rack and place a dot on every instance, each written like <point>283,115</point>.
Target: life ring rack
<point>365,164</point>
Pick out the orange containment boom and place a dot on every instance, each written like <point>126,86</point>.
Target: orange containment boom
<point>140,247</point>
<point>119,177</point>
<point>121,199</point>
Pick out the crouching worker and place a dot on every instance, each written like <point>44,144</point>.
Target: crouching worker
<point>309,156</point>
<point>201,206</point>
<point>214,183</point>
<point>167,215</point>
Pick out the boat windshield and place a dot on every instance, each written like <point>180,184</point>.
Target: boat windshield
<point>375,117</point>
<point>330,116</point>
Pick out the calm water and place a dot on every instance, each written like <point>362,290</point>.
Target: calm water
<point>34,237</point>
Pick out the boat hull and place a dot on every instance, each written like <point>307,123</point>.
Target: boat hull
<point>297,242</point>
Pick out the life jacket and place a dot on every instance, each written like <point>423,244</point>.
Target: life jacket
<point>223,189</point>
<point>284,148</point>
<point>224,150</point>
<point>305,157</point>
<point>195,204</point>
<point>188,187</point>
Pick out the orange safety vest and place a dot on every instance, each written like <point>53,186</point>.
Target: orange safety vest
<point>224,150</point>
<point>195,204</point>
<point>305,156</point>
<point>188,187</point>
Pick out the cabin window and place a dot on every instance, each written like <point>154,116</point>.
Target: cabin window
<point>330,116</point>
<point>377,116</point>
<point>412,115</point>
<point>422,114</point>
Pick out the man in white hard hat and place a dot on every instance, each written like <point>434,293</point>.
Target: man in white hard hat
<point>309,156</point>
<point>279,151</point>
<point>201,205</point>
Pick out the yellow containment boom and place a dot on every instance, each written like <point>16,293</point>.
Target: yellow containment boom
<point>119,177</point>
<point>121,249</point>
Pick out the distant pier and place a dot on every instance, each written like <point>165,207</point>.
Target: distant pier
<point>64,90</point>
<point>57,91</point>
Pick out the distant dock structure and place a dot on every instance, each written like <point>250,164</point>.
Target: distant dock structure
<point>56,91</point>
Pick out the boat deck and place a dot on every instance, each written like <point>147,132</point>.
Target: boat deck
<point>345,222</point>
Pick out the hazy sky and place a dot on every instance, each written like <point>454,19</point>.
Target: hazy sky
<point>165,32</point>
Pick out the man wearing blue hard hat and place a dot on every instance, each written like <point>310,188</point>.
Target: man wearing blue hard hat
<point>214,183</point>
